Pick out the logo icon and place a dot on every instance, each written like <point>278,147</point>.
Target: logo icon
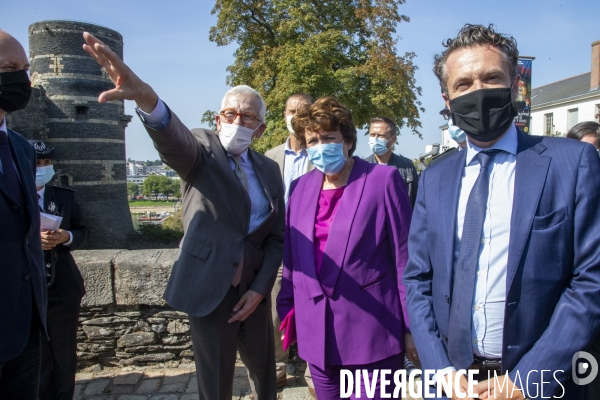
<point>40,146</point>
<point>581,363</point>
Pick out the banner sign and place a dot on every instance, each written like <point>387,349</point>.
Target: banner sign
<point>523,100</point>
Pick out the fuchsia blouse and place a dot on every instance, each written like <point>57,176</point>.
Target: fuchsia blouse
<point>329,201</point>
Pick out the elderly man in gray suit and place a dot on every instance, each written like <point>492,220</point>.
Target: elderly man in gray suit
<point>293,162</point>
<point>233,216</point>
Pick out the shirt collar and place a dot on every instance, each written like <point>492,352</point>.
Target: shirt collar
<point>42,191</point>
<point>3,125</point>
<point>288,149</point>
<point>243,156</point>
<point>507,143</point>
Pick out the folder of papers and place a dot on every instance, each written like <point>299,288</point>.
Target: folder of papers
<point>49,222</point>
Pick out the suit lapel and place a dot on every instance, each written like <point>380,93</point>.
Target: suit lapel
<point>309,189</point>
<point>27,178</point>
<point>339,234</point>
<point>3,185</point>
<point>261,174</point>
<point>530,177</point>
<point>450,182</point>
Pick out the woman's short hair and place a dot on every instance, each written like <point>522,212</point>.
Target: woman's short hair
<point>584,129</point>
<point>325,114</point>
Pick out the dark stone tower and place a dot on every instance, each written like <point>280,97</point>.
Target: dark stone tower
<point>89,137</point>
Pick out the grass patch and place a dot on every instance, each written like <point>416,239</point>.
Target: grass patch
<point>151,203</point>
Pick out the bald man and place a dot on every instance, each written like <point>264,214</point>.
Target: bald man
<point>23,283</point>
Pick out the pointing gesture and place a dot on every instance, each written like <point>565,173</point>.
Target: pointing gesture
<point>128,86</point>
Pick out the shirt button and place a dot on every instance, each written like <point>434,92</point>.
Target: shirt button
<point>481,273</point>
<point>27,277</point>
<point>474,341</point>
<point>476,308</point>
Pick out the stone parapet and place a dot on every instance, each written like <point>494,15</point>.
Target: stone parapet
<point>124,320</point>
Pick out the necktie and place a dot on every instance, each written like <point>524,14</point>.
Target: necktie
<point>239,171</point>
<point>241,176</point>
<point>460,347</point>
<point>10,172</point>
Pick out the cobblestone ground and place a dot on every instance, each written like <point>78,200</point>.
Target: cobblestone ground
<point>153,383</point>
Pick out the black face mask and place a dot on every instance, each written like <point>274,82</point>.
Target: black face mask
<point>15,90</point>
<point>484,114</point>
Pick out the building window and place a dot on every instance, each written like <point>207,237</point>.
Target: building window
<point>572,117</point>
<point>549,124</point>
<point>81,111</point>
<point>597,113</point>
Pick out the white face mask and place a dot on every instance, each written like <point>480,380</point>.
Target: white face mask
<point>288,122</point>
<point>235,138</point>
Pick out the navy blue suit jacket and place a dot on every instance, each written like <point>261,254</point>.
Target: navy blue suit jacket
<point>553,274</point>
<point>22,275</point>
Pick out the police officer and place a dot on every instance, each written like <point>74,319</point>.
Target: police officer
<point>65,290</point>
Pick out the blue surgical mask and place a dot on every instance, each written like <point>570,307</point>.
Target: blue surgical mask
<point>378,146</point>
<point>457,134</point>
<point>43,175</point>
<point>327,158</point>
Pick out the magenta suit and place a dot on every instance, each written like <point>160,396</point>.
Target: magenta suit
<point>357,313</point>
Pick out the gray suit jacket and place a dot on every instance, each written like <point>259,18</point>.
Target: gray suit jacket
<point>407,170</point>
<point>216,217</point>
<point>277,154</point>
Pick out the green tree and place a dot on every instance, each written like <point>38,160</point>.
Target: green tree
<point>174,221</point>
<point>153,186</point>
<point>169,186</point>
<point>344,48</point>
<point>133,189</point>
<point>209,118</point>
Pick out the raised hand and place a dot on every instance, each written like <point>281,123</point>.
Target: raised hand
<point>128,86</point>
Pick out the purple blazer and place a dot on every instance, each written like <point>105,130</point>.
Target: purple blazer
<point>357,314</point>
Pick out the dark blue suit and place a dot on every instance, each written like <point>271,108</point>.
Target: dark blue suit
<point>22,278</point>
<point>553,274</point>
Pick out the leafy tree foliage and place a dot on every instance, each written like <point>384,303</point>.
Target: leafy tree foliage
<point>133,189</point>
<point>342,48</point>
<point>153,186</point>
<point>160,184</point>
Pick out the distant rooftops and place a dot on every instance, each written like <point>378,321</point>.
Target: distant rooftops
<point>566,89</point>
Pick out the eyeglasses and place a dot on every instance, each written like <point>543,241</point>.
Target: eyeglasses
<point>247,116</point>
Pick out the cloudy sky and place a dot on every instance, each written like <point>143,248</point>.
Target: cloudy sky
<point>166,43</point>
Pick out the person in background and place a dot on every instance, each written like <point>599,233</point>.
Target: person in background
<point>345,249</point>
<point>383,134</point>
<point>457,134</point>
<point>504,252</point>
<point>65,283</point>
<point>589,132</point>
<point>23,294</point>
<point>293,162</point>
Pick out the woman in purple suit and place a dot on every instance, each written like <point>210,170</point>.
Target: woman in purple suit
<point>345,251</point>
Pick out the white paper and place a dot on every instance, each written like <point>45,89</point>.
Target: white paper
<point>49,222</point>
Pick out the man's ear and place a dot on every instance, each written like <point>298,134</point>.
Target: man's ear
<point>446,100</point>
<point>259,131</point>
<point>218,122</point>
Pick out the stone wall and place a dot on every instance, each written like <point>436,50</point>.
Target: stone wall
<point>124,319</point>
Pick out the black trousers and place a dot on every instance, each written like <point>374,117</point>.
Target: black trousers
<point>59,355</point>
<point>19,376</point>
<point>215,345</point>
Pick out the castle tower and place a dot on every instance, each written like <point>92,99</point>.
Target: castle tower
<point>89,137</point>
